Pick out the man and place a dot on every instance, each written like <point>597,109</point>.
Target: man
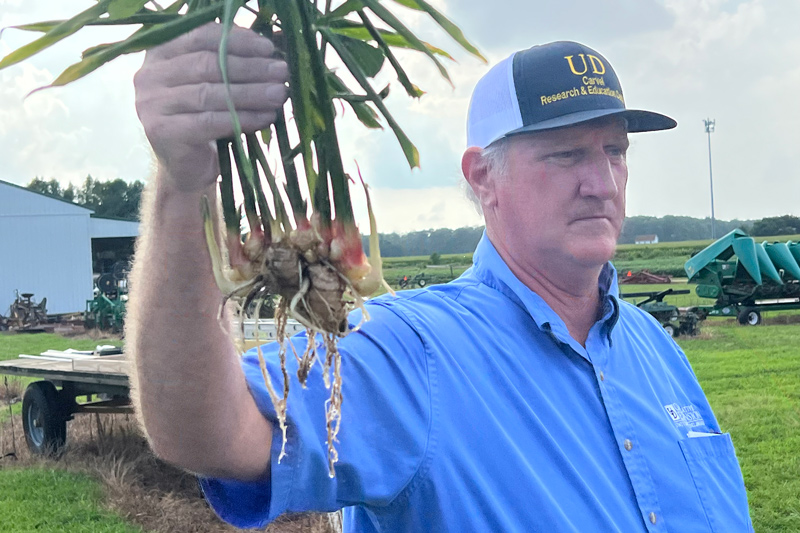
<point>524,396</point>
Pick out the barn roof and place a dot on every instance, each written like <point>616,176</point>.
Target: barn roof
<point>11,205</point>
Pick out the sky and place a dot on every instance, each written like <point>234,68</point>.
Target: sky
<point>734,61</point>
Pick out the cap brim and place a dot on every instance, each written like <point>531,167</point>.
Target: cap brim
<point>638,121</point>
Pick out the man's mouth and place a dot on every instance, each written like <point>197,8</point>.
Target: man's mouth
<point>592,217</point>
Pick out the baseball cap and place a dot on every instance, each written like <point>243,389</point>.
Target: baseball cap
<point>550,86</point>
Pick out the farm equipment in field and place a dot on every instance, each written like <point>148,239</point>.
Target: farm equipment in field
<point>106,310</point>
<point>642,277</point>
<point>418,279</point>
<point>745,278</point>
<point>675,321</point>
<point>24,314</point>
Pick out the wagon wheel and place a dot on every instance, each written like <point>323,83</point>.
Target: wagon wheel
<point>42,419</point>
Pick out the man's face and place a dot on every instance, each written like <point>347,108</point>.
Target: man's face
<point>562,197</point>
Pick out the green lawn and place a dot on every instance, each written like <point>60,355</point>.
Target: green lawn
<point>751,376</point>
<point>44,499</point>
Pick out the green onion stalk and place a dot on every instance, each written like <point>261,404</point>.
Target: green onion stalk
<point>302,245</point>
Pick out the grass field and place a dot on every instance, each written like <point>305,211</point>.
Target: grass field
<point>751,376</point>
<point>42,498</point>
<point>49,499</point>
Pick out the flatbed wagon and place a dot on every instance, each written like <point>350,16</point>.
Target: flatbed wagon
<point>71,383</point>
<point>64,377</point>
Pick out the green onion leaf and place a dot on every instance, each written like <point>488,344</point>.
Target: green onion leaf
<point>444,23</point>
<point>55,34</point>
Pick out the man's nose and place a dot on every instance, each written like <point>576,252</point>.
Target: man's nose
<point>599,178</point>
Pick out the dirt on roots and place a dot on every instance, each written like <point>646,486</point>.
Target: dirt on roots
<point>137,485</point>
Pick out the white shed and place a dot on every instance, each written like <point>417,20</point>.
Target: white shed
<point>46,248</point>
<point>646,239</point>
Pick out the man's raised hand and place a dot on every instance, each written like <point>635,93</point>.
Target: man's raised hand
<point>181,99</point>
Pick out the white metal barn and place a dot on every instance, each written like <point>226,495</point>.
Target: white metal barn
<point>46,248</point>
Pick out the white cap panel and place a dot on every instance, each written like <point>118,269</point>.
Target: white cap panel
<point>494,108</point>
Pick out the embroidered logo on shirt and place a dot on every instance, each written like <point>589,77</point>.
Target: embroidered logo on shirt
<point>686,416</point>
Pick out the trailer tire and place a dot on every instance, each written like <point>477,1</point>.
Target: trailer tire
<point>749,317</point>
<point>421,282</point>
<point>43,421</point>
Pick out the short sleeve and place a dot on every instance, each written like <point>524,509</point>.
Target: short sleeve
<point>384,433</point>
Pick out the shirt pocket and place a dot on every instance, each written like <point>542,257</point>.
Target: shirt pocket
<point>718,479</point>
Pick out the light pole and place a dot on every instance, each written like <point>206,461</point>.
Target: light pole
<point>709,130</point>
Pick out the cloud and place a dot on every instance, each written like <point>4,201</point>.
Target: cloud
<point>517,24</point>
<point>731,60</point>
<point>401,211</point>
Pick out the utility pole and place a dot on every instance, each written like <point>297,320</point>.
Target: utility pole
<point>709,123</point>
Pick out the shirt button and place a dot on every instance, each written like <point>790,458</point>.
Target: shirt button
<point>628,446</point>
<point>652,518</point>
<point>602,376</point>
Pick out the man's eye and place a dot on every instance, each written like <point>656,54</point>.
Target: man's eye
<point>615,152</point>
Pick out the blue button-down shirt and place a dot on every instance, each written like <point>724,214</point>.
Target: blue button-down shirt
<point>469,408</point>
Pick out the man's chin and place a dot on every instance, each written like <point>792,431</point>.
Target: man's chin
<point>593,254</point>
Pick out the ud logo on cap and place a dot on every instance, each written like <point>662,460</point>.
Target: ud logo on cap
<point>597,65</point>
<point>531,91</point>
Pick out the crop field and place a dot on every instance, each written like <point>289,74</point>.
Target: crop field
<point>660,258</point>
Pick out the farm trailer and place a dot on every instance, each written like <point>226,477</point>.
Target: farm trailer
<point>745,278</point>
<point>100,376</point>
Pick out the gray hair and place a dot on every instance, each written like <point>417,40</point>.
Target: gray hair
<point>495,159</point>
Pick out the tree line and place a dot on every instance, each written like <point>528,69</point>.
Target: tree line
<point>668,228</point>
<point>111,198</point>
<point>120,199</point>
<point>677,228</point>
<point>785,225</point>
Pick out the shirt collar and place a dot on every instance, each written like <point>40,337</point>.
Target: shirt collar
<point>490,269</point>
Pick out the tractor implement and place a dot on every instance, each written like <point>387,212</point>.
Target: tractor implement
<point>674,320</point>
<point>745,278</point>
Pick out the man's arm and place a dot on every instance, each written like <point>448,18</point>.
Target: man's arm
<point>190,391</point>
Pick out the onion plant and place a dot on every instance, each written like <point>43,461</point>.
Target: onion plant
<point>303,245</point>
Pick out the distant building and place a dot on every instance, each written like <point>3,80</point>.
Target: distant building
<point>52,248</point>
<point>646,239</point>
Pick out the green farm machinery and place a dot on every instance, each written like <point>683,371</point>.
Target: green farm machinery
<point>675,320</point>
<point>106,310</point>
<point>745,278</point>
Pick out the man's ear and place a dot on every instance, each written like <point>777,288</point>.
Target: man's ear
<point>476,172</point>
